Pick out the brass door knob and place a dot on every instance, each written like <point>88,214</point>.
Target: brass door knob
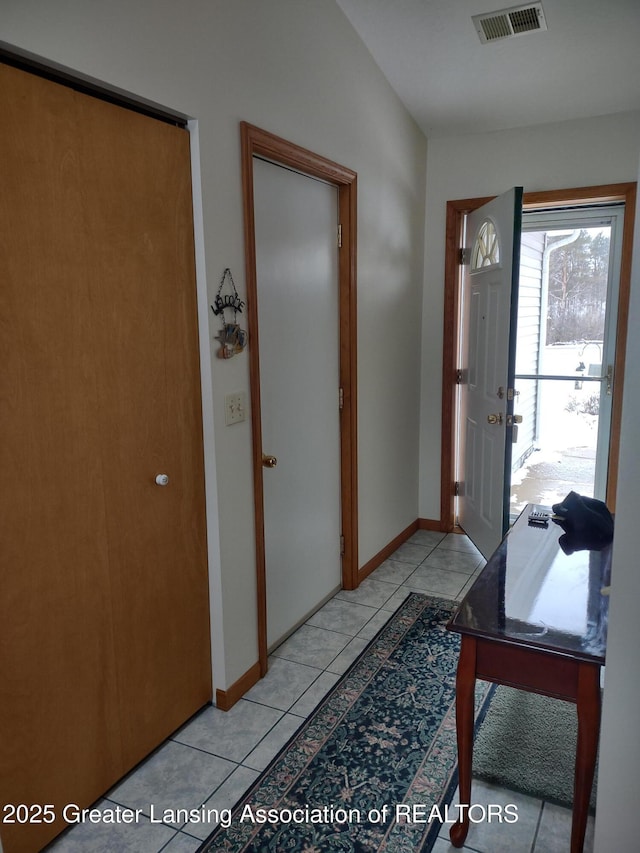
<point>269,461</point>
<point>495,419</point>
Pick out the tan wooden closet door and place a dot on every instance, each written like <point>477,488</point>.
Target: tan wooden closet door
<point>104,647</point>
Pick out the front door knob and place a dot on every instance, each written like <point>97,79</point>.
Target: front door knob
<point>495,419</point>
<point>269,461</point>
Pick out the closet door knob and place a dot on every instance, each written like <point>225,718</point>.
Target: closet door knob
<point>162,480</point>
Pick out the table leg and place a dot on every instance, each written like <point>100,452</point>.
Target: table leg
<point>588,706</point>
<point>465,712</point>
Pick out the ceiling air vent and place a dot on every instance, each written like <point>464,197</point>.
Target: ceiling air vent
<point>508,23</point>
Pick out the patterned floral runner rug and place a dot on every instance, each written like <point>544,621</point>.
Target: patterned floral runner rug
<point>375,766</point>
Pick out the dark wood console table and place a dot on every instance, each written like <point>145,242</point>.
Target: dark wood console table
<point>535,619</point>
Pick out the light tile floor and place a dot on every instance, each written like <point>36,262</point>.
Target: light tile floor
<point>216,756</point>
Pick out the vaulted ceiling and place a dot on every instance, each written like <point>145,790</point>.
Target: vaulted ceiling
<point>586,63</point>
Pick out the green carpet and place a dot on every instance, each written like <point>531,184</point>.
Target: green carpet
<point>527,743</point>
<point>382,742</point>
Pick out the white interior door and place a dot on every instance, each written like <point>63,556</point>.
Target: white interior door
<point>489,303</point>
<point>297,280</point>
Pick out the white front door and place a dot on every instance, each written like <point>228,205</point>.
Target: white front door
<point>489,303</point>
<point>298,317</point>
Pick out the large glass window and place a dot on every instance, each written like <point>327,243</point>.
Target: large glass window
<point>567,307</point>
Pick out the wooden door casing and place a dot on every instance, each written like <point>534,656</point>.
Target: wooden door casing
<point>104,606</point>
<point>260,143</point>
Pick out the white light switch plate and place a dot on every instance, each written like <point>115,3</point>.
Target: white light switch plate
<point>234,408</point>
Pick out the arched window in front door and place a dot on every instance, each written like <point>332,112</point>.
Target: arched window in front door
<point>486,249</point>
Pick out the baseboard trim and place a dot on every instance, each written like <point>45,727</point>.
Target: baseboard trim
<point>226,699</point>
<point>377,560</point>
<point>431,524</point>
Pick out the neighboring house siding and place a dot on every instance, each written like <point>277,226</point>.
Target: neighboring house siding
<point>528,346</point>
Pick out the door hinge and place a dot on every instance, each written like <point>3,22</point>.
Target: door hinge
<point>459,377</point>
<point>464,257</point>
<point>342,546</point>
<point>340,399</point>
<point>456,488</point>
<point>339,236</point>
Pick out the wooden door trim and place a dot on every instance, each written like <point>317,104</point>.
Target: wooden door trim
<point>261,143</point>
<point>456,211</point>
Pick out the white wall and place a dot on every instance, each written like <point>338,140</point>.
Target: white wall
<point>296,69</point>
<point>588,152</point>
<point>616,820</point>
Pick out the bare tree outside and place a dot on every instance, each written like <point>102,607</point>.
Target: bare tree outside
<point>578,289</point>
